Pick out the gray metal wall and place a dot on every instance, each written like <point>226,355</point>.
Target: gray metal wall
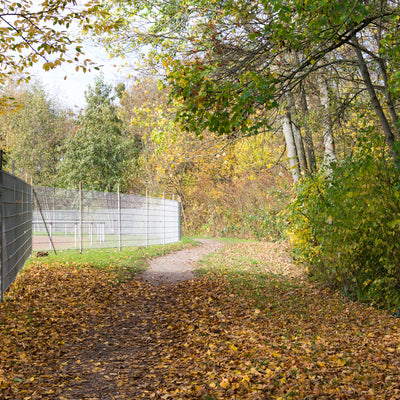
<point>16,226</point>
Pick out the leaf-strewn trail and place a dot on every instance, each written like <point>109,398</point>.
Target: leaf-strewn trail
<point>237,332</point>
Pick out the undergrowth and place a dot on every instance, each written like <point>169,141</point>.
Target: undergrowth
<point>345,225</point>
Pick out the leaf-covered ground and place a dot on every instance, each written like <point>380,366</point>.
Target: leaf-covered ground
<point>249,328</point>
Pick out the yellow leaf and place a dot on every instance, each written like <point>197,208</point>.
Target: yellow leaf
<point>391,349</point>
<point>233,347</point>
<point>268,372</point>
<point>224,383</point>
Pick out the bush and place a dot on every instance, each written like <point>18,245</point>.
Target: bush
<point>345,224</point>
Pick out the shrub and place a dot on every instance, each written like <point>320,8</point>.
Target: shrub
<point>345,224</point>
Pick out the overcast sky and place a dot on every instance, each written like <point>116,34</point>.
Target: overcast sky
<point>71,90</point>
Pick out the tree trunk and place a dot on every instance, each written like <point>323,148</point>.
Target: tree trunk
<point>389,99</point>
<point>298,139</point>
<point>329,143</point>
<point>291,147</point>
<point>389,136</point>
<point>308,140</point>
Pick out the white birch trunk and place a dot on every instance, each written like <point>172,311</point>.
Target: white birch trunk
<point>329,143</point>
<point>291,147</point>
<point>301,154</point>
<point>298,139</point>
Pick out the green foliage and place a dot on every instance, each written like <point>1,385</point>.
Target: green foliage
<point>34,132</point>
<point>221,108</point>
<point>230,63</point>
<point>344,224</point>
<point>99,153</point>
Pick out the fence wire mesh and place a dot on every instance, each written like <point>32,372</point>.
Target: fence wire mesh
<point>16,222</point>
<point>79,219</point>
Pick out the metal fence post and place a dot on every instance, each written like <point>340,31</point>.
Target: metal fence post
<point>179,212</point>
<point>119,220</point>
<point>163,218</point>
<point>80,217</point>
<point>147,217</point>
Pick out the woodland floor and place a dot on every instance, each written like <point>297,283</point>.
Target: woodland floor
<point>250,327</point>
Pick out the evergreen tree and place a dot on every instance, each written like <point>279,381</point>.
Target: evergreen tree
<point>100,151</point>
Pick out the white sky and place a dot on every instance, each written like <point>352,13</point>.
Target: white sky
<point>70,91</point>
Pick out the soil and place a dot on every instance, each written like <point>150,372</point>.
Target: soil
<point>178,266</point>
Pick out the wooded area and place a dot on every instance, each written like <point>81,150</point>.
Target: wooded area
<point>268,118</point>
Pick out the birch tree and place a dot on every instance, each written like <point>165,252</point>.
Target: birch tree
<point>224,61</point>
<point>329,142</point>
<point>291,147</point>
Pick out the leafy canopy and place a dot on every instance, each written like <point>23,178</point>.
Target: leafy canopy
<point>229,62</point>
<point>32,31</point>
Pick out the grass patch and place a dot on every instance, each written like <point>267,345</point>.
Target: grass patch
<point>250,274</point>
<point>227,240</point>
<point>127,262</point>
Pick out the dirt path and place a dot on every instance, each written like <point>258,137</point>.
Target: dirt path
<point>123,341</point>
<point>179,266</point>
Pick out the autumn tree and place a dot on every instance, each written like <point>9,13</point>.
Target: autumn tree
<point>230,63</point>
<point>34,133</point>
<point>32,32</point>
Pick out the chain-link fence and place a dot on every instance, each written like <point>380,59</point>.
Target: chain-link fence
<point>78,219</point>
<point>16,227</point>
